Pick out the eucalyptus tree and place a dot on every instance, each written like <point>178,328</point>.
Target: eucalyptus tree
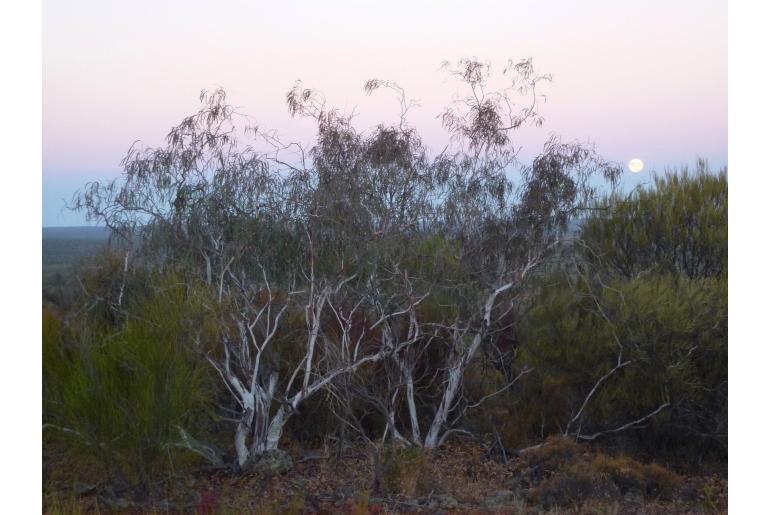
<point>239,216</point>
<point>505,230</point>
<point>427,253</point>
<point>401,208</point>
<point>198,198</point>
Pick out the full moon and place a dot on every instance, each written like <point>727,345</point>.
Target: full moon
<point>636,165</point>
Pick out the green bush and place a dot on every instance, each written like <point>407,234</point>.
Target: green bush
<point>118,394</point>
<point>651,280</point>
<point>676,226</point>
<point>673,330</point>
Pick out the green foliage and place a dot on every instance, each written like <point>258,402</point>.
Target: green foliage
<point>679,225</point>
<point>673,330</point>
<point>117,381</point>
<point>55,505</point>
<point>433,257</point>
<point>119,393</point>
<point>650,289</point>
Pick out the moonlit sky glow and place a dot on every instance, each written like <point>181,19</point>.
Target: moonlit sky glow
<point>637,79</point>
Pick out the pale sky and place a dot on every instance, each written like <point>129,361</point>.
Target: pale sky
<point>638,79</point>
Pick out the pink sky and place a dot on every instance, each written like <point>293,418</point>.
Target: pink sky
<point>639,79</point>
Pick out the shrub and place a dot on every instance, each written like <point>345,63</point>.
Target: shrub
<point>674,333</point>
<point>119,394</point>
<point>576,483</point>
<point>630,475</point>
<point>57,504</point>
<point>515,427</point>
<point>555,453</point>
<point>677,226</point>
<point>404,471</point>
<point>567,476</point>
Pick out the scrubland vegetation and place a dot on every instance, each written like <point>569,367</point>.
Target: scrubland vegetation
<point>362,326</point>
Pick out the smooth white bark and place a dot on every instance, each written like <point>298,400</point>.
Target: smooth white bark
<point>454,375</point>
<point>264,413</point>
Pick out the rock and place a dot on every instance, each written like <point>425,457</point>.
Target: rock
<point>270,463</point>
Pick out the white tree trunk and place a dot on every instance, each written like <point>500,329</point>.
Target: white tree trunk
<point>241,437</point>
<point>457,370</point>
<point>412,409</point>
<point>269,440</point>
<point>442,414</point>
<point>247,378</point>
<point>265,437</point>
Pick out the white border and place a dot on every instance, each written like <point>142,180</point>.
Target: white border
<point>21,138</point>
<point>21,216</point>
<point>749,355</point>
